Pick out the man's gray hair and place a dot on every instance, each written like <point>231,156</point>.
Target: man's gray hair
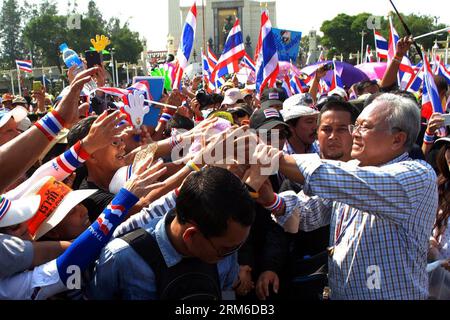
<point>402,114</point>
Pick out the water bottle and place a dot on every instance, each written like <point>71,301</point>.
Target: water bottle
<point>71,58</point>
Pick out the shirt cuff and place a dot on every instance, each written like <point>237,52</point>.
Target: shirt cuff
<point>291,200</point>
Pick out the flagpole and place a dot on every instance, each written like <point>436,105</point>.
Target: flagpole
<point>18,79</point>
<point>12,82</point>
<point>205,49</point>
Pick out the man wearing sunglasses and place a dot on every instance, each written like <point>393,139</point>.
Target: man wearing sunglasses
<point>210,222</point>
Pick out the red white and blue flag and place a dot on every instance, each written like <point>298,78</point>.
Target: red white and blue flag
<point>248,63</point>
<point>209,63</point>
<point>368,57</point>
<point>393,39</point>
<point>267,64</point>
<point>415,83</point>
<point>186,45</point>
<point>381,45</point>
<point>336,80</point>
<point>431,101</point>
<point>25,65</point>
<point>233,52</point>
<point>443,71</point>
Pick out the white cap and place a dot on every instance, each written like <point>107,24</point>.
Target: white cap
<point>18,113</point>
<point>300,99</point>
<point>232,96</point>
<point>340,92</point>
<point>59,191</point>
<point>24,125</point>
<point>295,107</point>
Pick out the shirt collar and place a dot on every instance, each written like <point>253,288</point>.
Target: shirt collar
<point>170,254</point>
<point>403,157</point>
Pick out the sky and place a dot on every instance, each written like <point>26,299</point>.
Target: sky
<point>150,17</point>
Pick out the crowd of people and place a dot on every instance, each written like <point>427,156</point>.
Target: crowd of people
<point>232,195</point>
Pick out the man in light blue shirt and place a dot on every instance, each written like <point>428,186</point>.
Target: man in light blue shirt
<point>205,224</point>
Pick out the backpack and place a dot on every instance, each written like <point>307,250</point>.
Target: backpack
<point>190,279</point>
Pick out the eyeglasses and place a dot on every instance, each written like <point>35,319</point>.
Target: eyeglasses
<point>361,129</point>
<point>228,253</point>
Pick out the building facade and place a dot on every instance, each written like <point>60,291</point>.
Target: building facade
<point>220,16</point>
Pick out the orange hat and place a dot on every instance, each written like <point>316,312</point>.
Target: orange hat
<point>57,200</point>
<point>7,97</point>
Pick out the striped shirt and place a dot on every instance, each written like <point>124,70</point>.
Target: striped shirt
<point>381,219</point>
<point>156,209</point>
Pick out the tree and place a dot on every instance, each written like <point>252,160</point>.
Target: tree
<point>44,34</point>
<point>126,43</point>
<point>343,32</point>
<point>10,27</point>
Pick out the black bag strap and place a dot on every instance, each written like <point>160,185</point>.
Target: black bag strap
<point>147,247</point>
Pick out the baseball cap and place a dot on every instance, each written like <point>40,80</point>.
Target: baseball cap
<point>339,92</point>
<point>14,212</point>
<point>302,99</point>
<point>232,96</point>
<point>18,113</point>
<point>19,100</point>
<point>56,201</point>
<point>441,141</point>
<point>294,112</point>
<point>272,97</point>
<point>242,107</point>
<point>266,119</point>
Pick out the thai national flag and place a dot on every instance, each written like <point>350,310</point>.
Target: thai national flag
<point>430,99</point>
<point>336,80</point>
<point>209,63</point>
<point>443,71</point>
<point>381,45</point>
<point>186,45</point>
<point>25,65</point>
<point>368,57</point>
<point>393,39</point>
<point>267,64</point>
<point>416,82</point>
<point>247,62</point>
<point>233,52</point>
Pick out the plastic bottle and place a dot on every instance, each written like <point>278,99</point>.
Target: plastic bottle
<point>71,58</point>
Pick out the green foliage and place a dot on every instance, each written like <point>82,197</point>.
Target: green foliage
<point>342,34</point>
<point>10,28</point>
<point>37,30</point>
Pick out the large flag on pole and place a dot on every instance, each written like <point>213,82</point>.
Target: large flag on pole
<point>267,64</point>
<point>393,39</point>
<point>25,65</point>
<point>186,45</point>
<point>430,99</point>
<point>233,52</point>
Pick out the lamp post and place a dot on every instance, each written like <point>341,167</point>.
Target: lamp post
<point>111,65</point>
<point>363,33</point>
<point>125,66</point>
<point>12,81</point>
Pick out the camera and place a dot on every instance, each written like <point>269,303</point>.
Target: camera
<point>204,98</point>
